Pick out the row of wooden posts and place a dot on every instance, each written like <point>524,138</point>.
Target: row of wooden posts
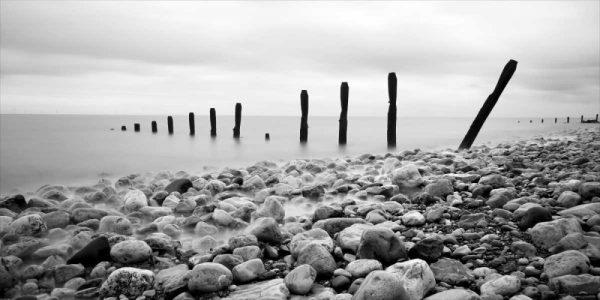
<point>468,140</point>
<point>569,120</point>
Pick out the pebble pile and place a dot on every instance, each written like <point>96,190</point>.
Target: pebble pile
<point>518,221</point>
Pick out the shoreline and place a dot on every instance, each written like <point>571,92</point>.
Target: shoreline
<point>477,224</point>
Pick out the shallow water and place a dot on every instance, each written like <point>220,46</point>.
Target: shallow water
<point>80,149</point>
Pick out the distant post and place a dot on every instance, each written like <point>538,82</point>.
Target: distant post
<point>342,137</point>
<point>555,120</point>
<point>123,128</point>
<point>488,105</point>
<point>581,118</point>
<point>542,120</point>
<point>154,127</point>
<point>568,120</point>
<point>391,117</point>
<point>192,123</point>
<point>267,137</point>
<point>304,118</point>
<point>136,127</point>
<point>238,120</point>
<point>213,122</point>
<point>596,117</point>
<point>170,124</point>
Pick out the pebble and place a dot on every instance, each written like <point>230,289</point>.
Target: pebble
<point>300,280</point>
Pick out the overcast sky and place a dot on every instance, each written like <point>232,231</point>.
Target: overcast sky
<point>153,57</point>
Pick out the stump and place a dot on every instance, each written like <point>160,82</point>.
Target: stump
<point>238,120</point>
<point>304,118</point>
<point>192,123</point>
<point>342,136</point>
<point>391,117</point>
<point>170,124</point>
<point>213,122</point>
<point>488,105</point>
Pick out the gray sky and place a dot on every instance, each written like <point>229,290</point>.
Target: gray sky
<point>153,57</point>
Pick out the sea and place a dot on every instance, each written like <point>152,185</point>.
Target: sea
<point>77,150</point>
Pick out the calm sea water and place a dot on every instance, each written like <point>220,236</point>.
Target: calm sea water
<point>80,149</point>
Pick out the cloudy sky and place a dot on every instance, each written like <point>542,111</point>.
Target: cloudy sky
<point>153,57</point>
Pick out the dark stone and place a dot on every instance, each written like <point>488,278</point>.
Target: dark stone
<point>96,251</point>
<point>381,244</point>
<point>452,272</point>
<point>428,249</point>
<point>15,203</point>
<point>482,190</point>
<point>179,185</point>
<point>339,283</point>
<point>533,216</point>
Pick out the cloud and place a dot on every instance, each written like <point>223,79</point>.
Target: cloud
<point>447,55</point>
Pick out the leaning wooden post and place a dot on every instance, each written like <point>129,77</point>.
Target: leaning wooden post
<point>170,124</point>
<point>238,120</point>
<point>136,127</point>
<point>154,127</point>
<point>342,137</point>
<point>391,117</point>
<point>304,118</point>
<point>213,122</point>
<point>487,107</point>
<point>192,123</point>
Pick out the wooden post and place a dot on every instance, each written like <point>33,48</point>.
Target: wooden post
<point>136,127</point>
<point>391,117</point>
<point>581,118</point>
<point>542,120</point>
<point>555,120</point>
<point>213,122</point>
<point>267,136</point>
<point>596,117</point>
<point>170,124</point>
<point>123,128</point>
<point>488,105</point>
<point>304,118</point>
<point>192,123</point>
<point>568,120</point>
<point>238,120</point>
<point>342,136</point>
<point>154,127</point>
<point>530,121</point>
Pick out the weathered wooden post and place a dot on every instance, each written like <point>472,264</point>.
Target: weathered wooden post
<point>391,117</point>
<point>213,122</point>
<point>342,136</point>
<point>170,124</point>
<point>568,120</point>
<point>154,127</point>
<point>304,118</point>
<point>192,123</point>
<point>136,127</point>
<point>238,120</point>
<point>123,128</point>
<point>267,137</point>
<point>488,105</point>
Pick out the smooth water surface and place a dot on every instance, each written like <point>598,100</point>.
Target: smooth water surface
<point>80,149</point>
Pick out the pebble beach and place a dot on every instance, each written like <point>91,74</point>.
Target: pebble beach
<point>517,221</point>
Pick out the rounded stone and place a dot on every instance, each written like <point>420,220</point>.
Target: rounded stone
<point>570,262</point>
<point>381,285</point>
<point>131,251</point>
<point>209,277</point>
<point>131,282</point>
<point>300,280</point>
